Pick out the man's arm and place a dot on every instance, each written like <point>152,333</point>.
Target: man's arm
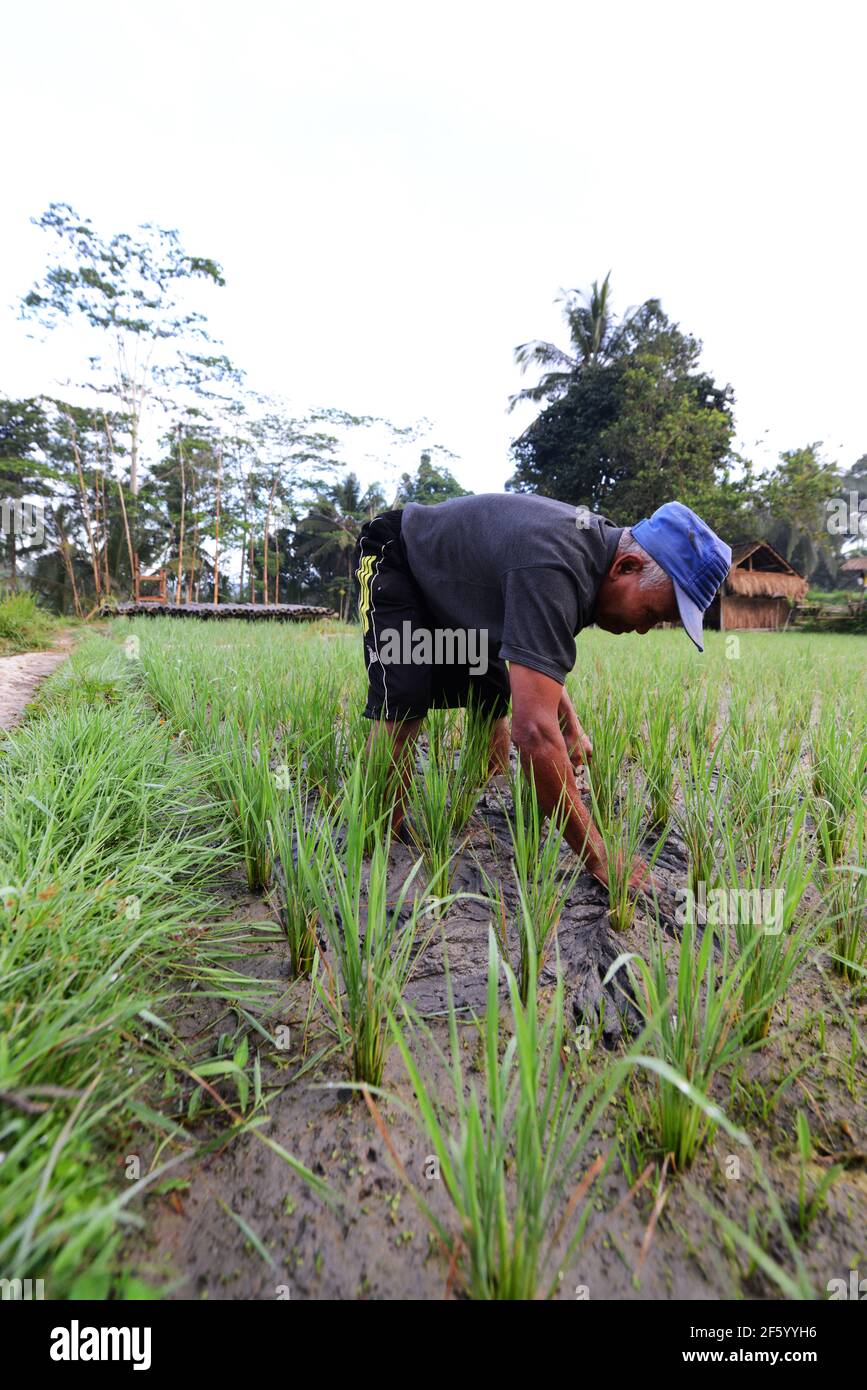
<point>536,732</point>
<point>578,745</point>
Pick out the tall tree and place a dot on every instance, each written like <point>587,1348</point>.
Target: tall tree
<point>428,485</point>
<point>326,536</point>
<point>594,335</point>
<point>794,498</point>
<point>129,291</point>
<point>641,427</point>
<point>23,437</point>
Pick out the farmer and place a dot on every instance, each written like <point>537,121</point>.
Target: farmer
<point>449,594</point>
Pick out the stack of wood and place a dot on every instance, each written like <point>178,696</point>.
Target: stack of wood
<point>259,612</point>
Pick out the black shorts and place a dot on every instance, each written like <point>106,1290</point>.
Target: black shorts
<point>388,597</point>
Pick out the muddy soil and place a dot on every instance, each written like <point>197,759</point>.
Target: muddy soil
<point>20,677</point>
<point>376,1244</point>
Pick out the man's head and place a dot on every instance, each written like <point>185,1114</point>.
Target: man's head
<point>666,568</point>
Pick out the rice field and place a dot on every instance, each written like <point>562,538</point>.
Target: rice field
<point>251,1045</point>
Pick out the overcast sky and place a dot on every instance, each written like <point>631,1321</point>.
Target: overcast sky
<point>397,191</point>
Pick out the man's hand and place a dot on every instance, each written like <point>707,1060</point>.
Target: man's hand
<point>641,879</point>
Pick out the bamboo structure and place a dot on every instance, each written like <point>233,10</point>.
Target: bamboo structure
<point>758,592</point>
<point>272,612</point>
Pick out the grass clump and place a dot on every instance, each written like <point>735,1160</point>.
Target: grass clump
<point>372,943</point>
<point>696,1029</point>
<point>510,1144</point>
<point>543,888</point>
<point>24,626</point>
<point>109,852</point>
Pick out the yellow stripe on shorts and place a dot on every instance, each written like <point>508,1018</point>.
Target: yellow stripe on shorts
<point>364,574</point>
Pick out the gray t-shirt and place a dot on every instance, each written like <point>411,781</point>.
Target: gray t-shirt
<point>525,568</point>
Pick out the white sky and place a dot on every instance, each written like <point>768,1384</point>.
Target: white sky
<point>397,191</point>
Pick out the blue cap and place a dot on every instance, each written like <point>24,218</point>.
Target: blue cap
<point>693,557</point>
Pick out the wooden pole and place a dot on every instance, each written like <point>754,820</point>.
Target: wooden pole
<point>217,527</point>
<point>129,549</point>
<point>85,507</point>
<point>179,587</point>
<point>267,594</point>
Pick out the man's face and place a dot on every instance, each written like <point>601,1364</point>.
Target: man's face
<point>622,605</point>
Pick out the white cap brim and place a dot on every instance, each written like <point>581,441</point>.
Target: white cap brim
<point>691,615</point>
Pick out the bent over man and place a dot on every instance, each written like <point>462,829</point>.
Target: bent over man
<point>483,596</point>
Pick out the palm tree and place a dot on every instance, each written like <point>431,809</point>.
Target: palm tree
<point>594,336</point>
<point>326,536</point>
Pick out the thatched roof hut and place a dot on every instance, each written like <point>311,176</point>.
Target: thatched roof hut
<point>758,591</point>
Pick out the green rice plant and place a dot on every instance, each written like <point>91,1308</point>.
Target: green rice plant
<point>786,723</point>
<point>509,1145</point>
<point>430,822</point>
<point>610,738</point>
<point>846,899</point>
<point>372,949</point>
<point>811,1203</point>
<point>295,833</point>
<point>761,804</point>
<point>543,887</point>
<point>387,776</point>
<point>319,730</point>
<point>657,762</point>
<point>697,1029</point>
<point>837,763</point>
<point>699,813</point>
<point>467,746</point>
<point>622,835</point>
<point>701,713</point>
<point>760,902</point>
<point>242,775</point>
<point>741,728</point>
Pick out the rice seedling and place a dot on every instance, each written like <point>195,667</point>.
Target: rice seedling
<point>846,897</point>
<point>294,831</point>
<point>811,1202</point>
<point>760,901</point>
<point>838,780</point>
<point>656,756</point>
<point>761,804</point>
<point>696,1029</point>
<point>242,775</point>
<point>467,748</point>
<point>319,731</point>
<point>430,820</point>
<point>699,814</point>
<point>372,952</point>
<point>622,835</point>
<point>701,713</point>
<point>543,887</point>
<point>509,1145</point>
<point>610,738</point>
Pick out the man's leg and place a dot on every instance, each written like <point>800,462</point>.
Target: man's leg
<point>398,690</point>
<point>501,740</point>
<point>398,738</point>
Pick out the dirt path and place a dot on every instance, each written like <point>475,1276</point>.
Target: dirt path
<point>21,675</point>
